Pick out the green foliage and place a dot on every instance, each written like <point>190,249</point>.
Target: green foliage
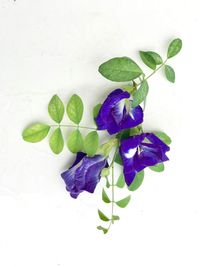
<point>103,217</point>
<point>56,109</point>
<point>137,181</point>
<point>158,168</point>
<point>118,159</point>
<point>148,59</point>
<point>157,58</point>
<point>96,110</point>
<point>140,94</point>
<point>36,132</point>
<point>120,69</point>
<point>103,229</point>
<point>174,48</point>
<point>164,137</point>
<point>169,73</point>
<point>91,143</point>
<point>75,109</point>
<point>56,141</point>
<point>120,182</point>
<point>106,148</point>
<point>105,197</point>
<point>75,141</point>
<point>123,202</point>
<point>115,218</point>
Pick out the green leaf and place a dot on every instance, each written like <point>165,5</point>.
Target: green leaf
<point>105,197</point>
<point>174,48</point>
<point>169,73</point>
<point>115,218</point>
<point>96,110</point>
<point>136,130</point>
<point>75,109</point>
<point>140,94</point>
<point>56,109</point>
<point>158,168</point>
<point>137,181</point>
<point>120,69</point>
<point>56,141</point>
<point>36,132</point>
<point>91,143</point>
<point>157,58</point>
<point>123,202</point>
<point>164,137</point>
<point>103,229</point>
<point>102,216</point>
<point>118,159</point>
<point>75,141</point>
<point>105,148</point>
<point>148,59</point>
<point>120,182</point>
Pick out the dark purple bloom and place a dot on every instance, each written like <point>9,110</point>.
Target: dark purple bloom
<point>141,151</point>
<point>84,174</point>
<point>114,115</point>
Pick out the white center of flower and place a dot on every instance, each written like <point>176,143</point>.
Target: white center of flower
<point>131,152</point>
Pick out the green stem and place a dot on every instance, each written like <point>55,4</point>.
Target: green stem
<point>164,62</point>
<point>73,126</point>
<point>113,188</point>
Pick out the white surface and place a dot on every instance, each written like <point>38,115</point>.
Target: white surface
<point>49,47</point>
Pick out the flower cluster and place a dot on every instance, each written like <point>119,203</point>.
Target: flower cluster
<point>120,115</point>
<point>137,152</point>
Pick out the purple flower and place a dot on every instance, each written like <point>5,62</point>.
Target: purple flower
<point>84,174</point>
<point>115,116</point>
<point>141,151</point>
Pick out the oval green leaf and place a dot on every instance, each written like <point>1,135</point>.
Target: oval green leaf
<point>164,137</point>
<point>75,141</point>
<point>103,217</point>
<point>120,182</point>
<point>169,73</point>
<point>140,94</point>
<point>36,132</point>
<point>56,141</point>
<point>158,168</point>
<point>123,202</point>
<point>174,48</point>
<point>137,181</point>
<point>120,69</point>
<point>148,59</point>
<point>91,143</point>
<point>105,197</point>
<point>115,218</point>
<point>56,109</point>
<point>75,109</point>
<point>157,58</point>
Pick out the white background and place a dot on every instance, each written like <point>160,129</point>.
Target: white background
<point>56,46</point>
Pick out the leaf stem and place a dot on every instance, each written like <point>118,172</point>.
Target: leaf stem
<point>154,71</point>
<point>73,126</point>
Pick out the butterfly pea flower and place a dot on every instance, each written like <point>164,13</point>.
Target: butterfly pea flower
<point>141,151</point>
<point>116,114</point>
<point>84,174</point>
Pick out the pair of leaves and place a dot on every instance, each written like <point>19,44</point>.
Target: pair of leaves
<point>173,49</point>
<point>151,59</point>
<point>74,109</point>
<point>120,69</point>
<point>76,142</point>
